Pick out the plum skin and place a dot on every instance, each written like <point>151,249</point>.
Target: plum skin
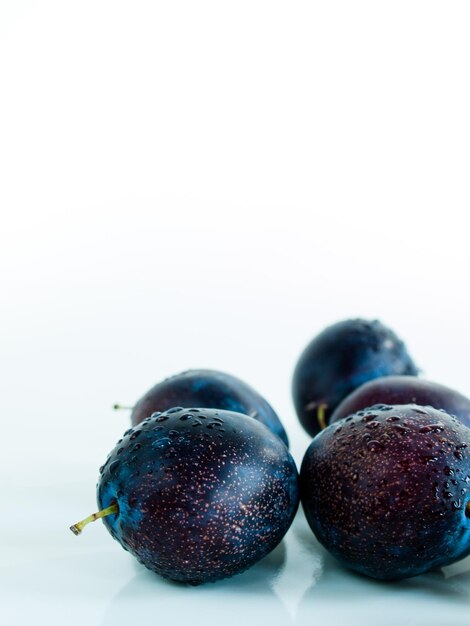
<point>404,390</point>
<point>211,389</point>
<point>386,490</point>
<point>340,359</point>
<point>202,494</point>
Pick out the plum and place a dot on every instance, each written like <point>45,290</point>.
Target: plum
<point>211,389</point>
<point>340,359</point>
<point>404,390</point>
<point>196,494</point>
<point>387,490</point>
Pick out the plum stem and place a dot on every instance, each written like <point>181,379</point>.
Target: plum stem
<point>122,407</point>
<point>467,509</point>
<point>79,526</point>
<point>321,415</point>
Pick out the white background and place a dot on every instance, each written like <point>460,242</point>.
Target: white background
<point>209,184</point>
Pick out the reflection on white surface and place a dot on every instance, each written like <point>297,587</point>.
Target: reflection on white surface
<point>302,568</point>
<point>355,600</point>
<point>241,600</point>
<point>457,569</point>
<point>270,592</point>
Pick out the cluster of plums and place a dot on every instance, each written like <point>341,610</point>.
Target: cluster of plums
<point>203,485</point>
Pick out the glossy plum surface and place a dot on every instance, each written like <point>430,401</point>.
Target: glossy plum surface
<point>202,494</point>
<point>405,390</point>
<point>386,490</point>
<point>340,359</point>
<point>211,389</point>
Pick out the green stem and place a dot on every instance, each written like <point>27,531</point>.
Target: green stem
<point>122,407</point>
<point>79,526</point>
<point>321,415</point>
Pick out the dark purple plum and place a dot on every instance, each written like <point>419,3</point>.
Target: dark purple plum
<point>198,495</point>
<point>387,490</point>
<point>211,389</point>
<point>405,390</point>
<point>340,359</point>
